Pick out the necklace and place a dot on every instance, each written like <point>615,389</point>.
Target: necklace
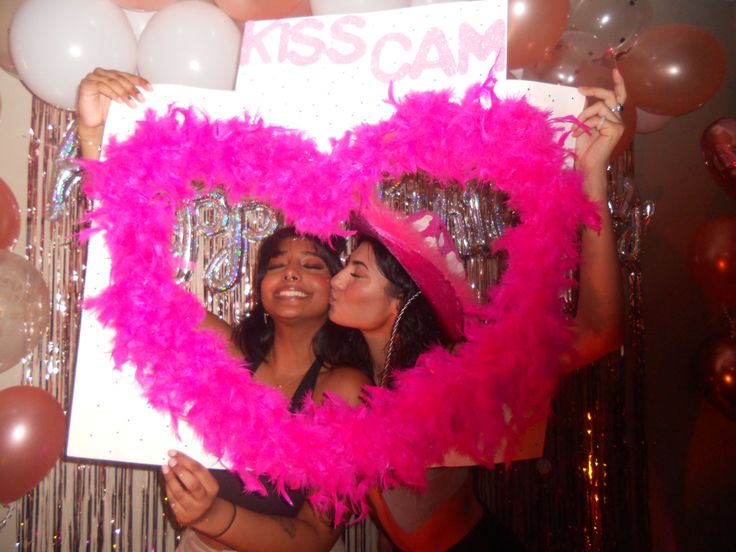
<point>288,382</point>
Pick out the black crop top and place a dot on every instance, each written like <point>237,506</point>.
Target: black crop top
<point>272,503</point>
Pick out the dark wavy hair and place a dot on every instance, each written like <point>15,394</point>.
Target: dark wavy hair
<point>418,328</point>
<point>335,345</point>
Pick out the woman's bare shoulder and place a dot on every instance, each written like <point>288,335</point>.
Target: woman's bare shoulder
<point>344,382</point>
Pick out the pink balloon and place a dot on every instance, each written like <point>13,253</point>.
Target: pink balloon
<point>9,217</point>
<point>144,5</point>
<point>673,69</point>
<point>32,435</point>
<point>650,122</point>
<point>242,10</point>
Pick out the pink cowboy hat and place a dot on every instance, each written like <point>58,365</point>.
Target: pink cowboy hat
<point>424,248</point>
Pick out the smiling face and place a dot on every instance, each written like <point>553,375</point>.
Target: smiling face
<point>296,283</point>
<point>361,295</point>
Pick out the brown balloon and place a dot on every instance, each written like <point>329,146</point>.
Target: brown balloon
<point>534,26</point>
<point>715,370</point>
<point>672,69</point>
<point>718,145</point>
<point>32,435</point>
<point>712,258</point>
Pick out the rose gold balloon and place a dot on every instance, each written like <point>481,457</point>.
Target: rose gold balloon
<point>144,5</point>
<point>32,435</point>
<point>715,369</point>
<point>242,10</point>
<point>9,217</point>
<point>534,26</point>
<point>718,145</point>
<point>712,258</point>
<point>672,69</point>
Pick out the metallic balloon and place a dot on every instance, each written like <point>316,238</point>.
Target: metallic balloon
<point>718,145</point>
<point>715,371</point>
<point>712,258</point>
<point>67,173</point>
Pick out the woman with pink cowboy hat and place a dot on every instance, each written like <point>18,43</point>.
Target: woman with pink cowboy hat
<point>404,288</point>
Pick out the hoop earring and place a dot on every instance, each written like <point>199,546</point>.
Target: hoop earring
<point>392,340</point>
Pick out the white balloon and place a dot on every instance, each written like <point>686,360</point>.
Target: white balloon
<point>329,7</point>
<point>138,20</point>
<point>192,43</point>
<point>650,122</point>
<point>55,43</point>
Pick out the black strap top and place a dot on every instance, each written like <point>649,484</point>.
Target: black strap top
<point>272,503</point>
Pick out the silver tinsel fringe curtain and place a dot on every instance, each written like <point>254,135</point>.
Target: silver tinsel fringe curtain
<point>588,492</point>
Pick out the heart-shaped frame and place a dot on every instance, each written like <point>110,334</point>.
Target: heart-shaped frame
<point>474,400</point>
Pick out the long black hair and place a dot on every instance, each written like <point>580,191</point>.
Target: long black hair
<point>418,328</point>
<point>333,344</point>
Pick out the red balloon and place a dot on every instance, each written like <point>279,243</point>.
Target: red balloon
<point>712,258</point>
<point>673,69</point>
<point>715,370</point>
<point>9,217</point>
<point>718,145</point>
<point>32,435</point>
<point>534,26</point>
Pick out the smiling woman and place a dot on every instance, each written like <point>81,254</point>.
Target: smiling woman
<point>290,345</point>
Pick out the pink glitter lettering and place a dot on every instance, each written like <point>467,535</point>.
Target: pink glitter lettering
<point>493,41</point>
<point>337,31</point>
<point>434,39</point>
<point>402,71</point>
<point>298,37</point>
<point>254,41</point>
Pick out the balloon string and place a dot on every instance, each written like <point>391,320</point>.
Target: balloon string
<point>6,518</point>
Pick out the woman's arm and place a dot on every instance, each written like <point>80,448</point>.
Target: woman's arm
<point>96,91</point>
<point>192,494</point>
<point>600,314</point>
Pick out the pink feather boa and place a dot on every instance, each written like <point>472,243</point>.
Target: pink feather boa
<point>460,400</point>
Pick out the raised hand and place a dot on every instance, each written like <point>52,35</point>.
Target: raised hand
<point>96,91</point>
<point>603,117</point>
